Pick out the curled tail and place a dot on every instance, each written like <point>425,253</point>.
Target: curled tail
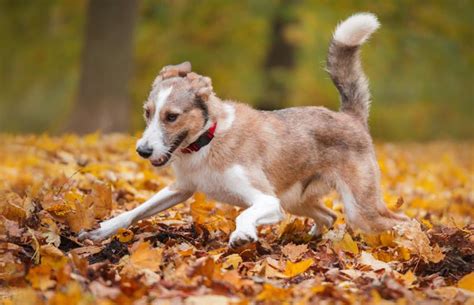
<point>344,67</point>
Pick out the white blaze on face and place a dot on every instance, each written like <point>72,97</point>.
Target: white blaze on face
<point>153,135</point>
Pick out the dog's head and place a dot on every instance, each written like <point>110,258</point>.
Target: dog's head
<point>176,112</point>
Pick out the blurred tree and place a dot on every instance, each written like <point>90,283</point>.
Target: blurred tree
<point>279,59</point>
<point>419,64</point>
<point>103,101</point>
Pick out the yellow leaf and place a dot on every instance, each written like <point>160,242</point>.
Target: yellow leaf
<point>408,278</point>
<point>405,253</point>
<point>272,293</point>
<point>40,277</point>
<point>318,288</point>
<point>427,223</point>
<point>387,239</point>
<point>124,235</point>
<point>71,295</point>
<point>467,282</point>
<point>293,269</point>
<point>290,225</point>
<point>347,244</point>
<point>53,257</point>
<point>233,261</point>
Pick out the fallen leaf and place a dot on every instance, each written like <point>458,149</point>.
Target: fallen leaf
<point>411,237</point>
<point>294,252</point>
<point>145,257</point>
<point>467,282</point>
<point>124,235</point>
<point>294,269</point>
<point>273,294</point>
<point>347,244</point>
<point>367,259</point>
<point>232,260</point>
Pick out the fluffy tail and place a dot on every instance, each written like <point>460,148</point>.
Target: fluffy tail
<point>344,67</point>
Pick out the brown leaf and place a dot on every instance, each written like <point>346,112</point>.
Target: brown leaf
<point>294,252</point>
<point>411,237</point>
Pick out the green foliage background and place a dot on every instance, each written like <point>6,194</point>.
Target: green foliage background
<point>420,63</point>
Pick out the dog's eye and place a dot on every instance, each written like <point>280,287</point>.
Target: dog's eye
<point>147,113</point>
<point>171,117</point>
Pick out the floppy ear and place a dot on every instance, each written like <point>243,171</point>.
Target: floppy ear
<point>181,69</point>
<point>176,70</point>
<point>202,85</point>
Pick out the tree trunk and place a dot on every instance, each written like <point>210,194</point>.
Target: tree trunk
<point>103,100</point>
<point>279,61</point>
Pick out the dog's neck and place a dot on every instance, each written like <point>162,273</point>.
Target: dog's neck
<point>220,118</point>
<point>221,113</point>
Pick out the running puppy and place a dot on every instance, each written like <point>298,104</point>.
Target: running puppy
<point>263,161</point>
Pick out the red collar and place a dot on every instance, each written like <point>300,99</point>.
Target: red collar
<point>202,141</point>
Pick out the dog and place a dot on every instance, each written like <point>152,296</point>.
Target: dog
<point>266,161</point>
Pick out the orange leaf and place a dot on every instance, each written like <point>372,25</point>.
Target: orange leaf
<point>467,282</point>
<point>124,235</point>
<point>146,257</point>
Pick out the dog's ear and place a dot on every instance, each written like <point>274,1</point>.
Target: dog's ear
<point>176,70</point>
<point>202,85</point>
<point>170,71</point>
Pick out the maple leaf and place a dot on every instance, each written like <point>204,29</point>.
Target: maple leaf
<point>294,252</point>
<point>50,232</point>
<point>82,216</point>
<point>293,269</point>
<point>411,237</point>
<point>232,260</point>
<point>102,200</point>
<point>13,207</point>
<point>144,257</point>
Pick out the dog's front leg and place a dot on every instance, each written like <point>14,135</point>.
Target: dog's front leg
<point>164,199</point>
<point>265,210</point>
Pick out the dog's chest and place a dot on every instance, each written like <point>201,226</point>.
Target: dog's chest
<point>224,186</point>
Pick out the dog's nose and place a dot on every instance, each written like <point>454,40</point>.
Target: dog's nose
<point>144,151</point>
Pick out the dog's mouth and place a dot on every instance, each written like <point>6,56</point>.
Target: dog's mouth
<point>163,159</point>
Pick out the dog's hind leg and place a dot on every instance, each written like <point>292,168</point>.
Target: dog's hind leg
<point>323,217</point>
<point>359,187</point>
<point>311,206</point>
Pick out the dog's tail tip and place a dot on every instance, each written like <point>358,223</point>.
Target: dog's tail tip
<point>356,29</point>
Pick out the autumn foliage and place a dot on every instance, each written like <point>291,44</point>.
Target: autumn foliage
<point>52,188</point>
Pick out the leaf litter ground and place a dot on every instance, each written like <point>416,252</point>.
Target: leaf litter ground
<point>53,187</point>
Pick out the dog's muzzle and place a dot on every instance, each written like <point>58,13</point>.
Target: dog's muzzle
<point>144,151</point>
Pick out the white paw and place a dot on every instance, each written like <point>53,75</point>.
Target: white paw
<point>96,235</point>
<point>241,237</point>
<point>107,228</point>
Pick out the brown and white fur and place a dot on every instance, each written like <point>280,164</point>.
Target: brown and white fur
<point>264,161</point>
